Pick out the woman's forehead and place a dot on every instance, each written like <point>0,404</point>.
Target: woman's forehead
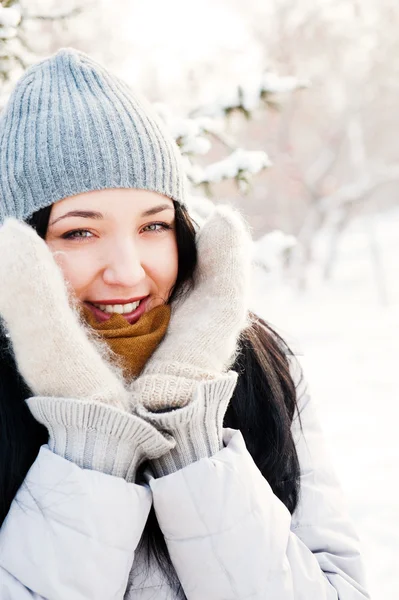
<point>110,203</point>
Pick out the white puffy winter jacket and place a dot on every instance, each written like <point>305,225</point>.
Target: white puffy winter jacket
<point>71,533</point>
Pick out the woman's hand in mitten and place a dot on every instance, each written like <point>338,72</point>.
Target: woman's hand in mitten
<point>78,396</point>
<point>52,350</point>
<point>188,370</point>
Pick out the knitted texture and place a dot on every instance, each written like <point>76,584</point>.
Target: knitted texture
<point>84,403</point>
<point>52,351</point>
<point>184,388</point>
<point>71,127</point>
<point>196,428</point>
<point>202,336</point>
<point>99,437</point>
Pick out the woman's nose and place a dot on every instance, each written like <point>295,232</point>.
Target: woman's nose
<point>124,266</point>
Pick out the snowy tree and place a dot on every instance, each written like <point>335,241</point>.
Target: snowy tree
<point>17,50</point>
<point>212,152</point>
<point>334,152</point>
<point>204,125</point>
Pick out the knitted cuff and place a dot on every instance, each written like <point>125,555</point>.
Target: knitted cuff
<point>165,385</point>
<point>98,437</point>
<point>197,428</point>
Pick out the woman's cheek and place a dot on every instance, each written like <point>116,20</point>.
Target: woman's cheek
<point>77,269</point>
<point>162,264</point>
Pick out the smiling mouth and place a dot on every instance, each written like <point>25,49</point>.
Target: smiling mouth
<point>120,309</point>
<point>131,311</point>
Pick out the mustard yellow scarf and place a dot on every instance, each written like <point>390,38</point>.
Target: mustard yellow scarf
<point>134,344</point>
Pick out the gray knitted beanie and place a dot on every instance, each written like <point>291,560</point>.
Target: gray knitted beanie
<point>71,127</point>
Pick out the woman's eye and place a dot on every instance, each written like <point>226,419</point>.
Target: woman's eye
<point>83,234</point>
<point>156,227</point>
<point>76,234</point>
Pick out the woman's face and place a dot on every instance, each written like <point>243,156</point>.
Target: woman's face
<point>116,247</point>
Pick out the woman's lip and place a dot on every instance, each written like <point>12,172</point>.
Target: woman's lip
<point>119,301</point>
<point>131,318</point>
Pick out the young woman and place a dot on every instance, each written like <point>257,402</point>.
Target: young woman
<point>156,439</point>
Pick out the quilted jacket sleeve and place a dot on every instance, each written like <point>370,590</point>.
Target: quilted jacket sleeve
<point>230,537</point>
<point>71,533</point>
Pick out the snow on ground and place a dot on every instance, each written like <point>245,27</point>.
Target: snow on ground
<point>350,346</point>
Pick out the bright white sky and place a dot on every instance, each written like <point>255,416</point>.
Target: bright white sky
<point>172,37</point>
<point>197,27</point>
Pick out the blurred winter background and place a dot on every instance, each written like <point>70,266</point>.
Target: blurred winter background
<point>289,110</point>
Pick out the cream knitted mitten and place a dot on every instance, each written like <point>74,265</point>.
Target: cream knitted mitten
<point>78,396</point>
<point>188,371</point>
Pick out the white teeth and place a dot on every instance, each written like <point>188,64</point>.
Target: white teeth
<point>121,309</point>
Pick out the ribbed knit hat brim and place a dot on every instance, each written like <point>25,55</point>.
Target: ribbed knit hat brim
<point>72,127</point>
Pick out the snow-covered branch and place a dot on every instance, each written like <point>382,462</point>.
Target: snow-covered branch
<point>56,17</point>
<point>16,51</point>
<point>249,96</point>
<point>10,19</point>
<point>240,165</point>
<point>195,133</point>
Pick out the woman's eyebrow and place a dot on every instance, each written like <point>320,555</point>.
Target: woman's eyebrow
<point>86,214</point>
<point>91,214</point>
<point>156,209</point>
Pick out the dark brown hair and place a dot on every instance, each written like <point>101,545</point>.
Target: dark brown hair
<point>262,406</point>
